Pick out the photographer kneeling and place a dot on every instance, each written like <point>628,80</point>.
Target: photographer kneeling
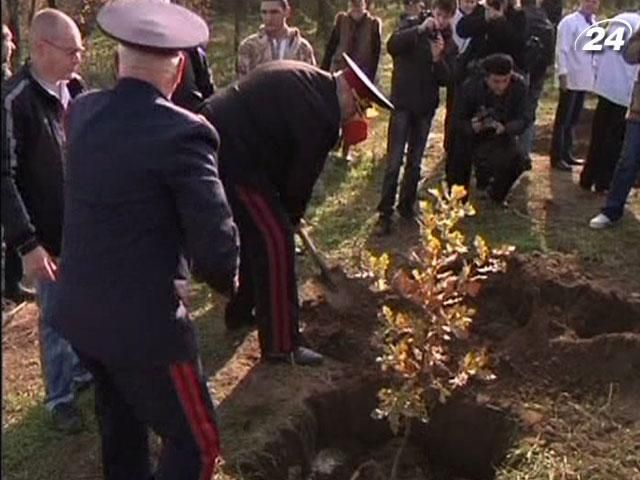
<point>492,114</point>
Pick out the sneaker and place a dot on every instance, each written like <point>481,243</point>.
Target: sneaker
<point>302,356</point>
<point>600,221</point>
<point>67,418</point>
<point>383,226</point>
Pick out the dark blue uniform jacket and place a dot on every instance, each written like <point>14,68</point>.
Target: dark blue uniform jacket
<point>277,126</point>
<point>142,189</point>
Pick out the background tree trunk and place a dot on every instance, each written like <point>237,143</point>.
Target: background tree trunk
<point>13,23</point>
<point>32,11</point>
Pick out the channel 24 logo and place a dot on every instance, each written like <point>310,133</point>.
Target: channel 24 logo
<point>610,33</point>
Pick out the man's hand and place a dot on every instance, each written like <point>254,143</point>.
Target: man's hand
<point>38,265</point>
<point>476,125</point>
<point>562,79</point>
<point>428,24</point>
<point>437,48</point>
<point>500,128</point>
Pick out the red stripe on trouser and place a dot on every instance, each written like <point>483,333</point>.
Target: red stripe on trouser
<point>279,310</point>
<point>202,426</point>
<point>279,235</point>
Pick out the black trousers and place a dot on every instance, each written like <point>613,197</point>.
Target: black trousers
<point>607,136</point>
<point>173,401</point>
<point>267,268</point>
<point>499,162</point>
<point>568,112</point>
<point>11,270</point>
<point>459,160</point>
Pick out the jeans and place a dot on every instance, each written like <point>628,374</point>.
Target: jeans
<point>626,172</point>
<point>405,128</point>
<point>60,365</point>
<point>536,86</point>
<point>568,113</point>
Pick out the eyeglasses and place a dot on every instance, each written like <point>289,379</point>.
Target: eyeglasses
<point>70,51</point>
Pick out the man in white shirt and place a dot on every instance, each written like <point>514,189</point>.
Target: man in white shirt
<point>614,86</point>
<point>576,73</point>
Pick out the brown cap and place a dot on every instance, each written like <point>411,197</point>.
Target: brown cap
<point>363,87</point>
<point>152,24</point>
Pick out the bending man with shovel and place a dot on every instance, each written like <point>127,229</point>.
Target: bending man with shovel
<point>276,127</point>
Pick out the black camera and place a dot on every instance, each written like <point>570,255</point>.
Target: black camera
<point>486,117</point>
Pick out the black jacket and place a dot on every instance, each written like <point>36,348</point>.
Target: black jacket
<point>32,163</point>
<point>415,79</point>
<point>142,189</point>
<point>553,9</point>
<point>508,109</point>
<point>504,35</point>
<point>277,125</point>
<point>197,82</point>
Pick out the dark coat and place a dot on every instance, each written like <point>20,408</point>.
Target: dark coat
<point>277,125</point>
<point>415,79</point>
<point>142,190</point>
<point>32,163</point>
<point>504,35</point>
<point>553,9</point>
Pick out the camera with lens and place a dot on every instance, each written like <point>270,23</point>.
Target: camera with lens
<point>485,116</point>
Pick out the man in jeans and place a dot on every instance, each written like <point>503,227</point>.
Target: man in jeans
<point>629,164</point>
<point>34,101</point>
<point>419,70</point>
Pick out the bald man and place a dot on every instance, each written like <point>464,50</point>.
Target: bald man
<point>33,104</point>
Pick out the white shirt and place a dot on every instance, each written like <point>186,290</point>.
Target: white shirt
<point>615,77</point>
<point>462,43</point>
<point>571,60</point>
<point>58,90</point>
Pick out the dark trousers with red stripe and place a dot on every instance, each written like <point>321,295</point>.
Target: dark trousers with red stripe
<point>267,283</point>
<point>171,400</point>
<point>607,137</point>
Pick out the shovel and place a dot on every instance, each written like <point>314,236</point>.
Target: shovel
<point>334,280</point>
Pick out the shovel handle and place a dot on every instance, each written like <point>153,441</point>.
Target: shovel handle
<point>311,248</point>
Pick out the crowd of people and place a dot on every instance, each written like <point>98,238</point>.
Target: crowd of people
<point>113,199</point>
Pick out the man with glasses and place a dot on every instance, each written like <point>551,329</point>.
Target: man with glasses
<point>34,102</point>
<point>275,40</point>
<point>276,127</point>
